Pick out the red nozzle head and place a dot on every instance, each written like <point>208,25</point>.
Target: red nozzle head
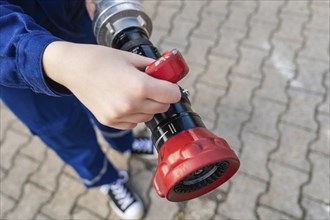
<point>193,163</point>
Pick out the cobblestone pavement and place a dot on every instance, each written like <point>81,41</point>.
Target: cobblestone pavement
<point>259,78</point>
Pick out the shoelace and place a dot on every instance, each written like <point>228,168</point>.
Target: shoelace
<point>120,192</point>
<point>143,145</point>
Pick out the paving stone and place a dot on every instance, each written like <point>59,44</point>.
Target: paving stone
<point>267,213</point>
<point>20,127</point>
<point>267,12</point>
<point>318,188</point>
<point>254,155</point>
<point>92,202</point>
<point>157,210</point>
<point>217,70</point>
<point>30,202</point>
<point>60,206</point>
<point>180,32</point>
<point>322,143</point>
<point>250,62</point>
<point>239,15</point>
<point>229,123</point>
<point>285,189</point>
<point>191,10</point>
<point>319,17</point>
<point>171,3</point>
<point>302,107</point>
<point>239,203</point>
<point>273,85</point>
<point>47,175</point>
<point>6,118</point>
<point>296,8</point>
<point>163,17</point>
<point>265,117</point>
<point>205,100</point>
<point>35,149</point>
<point>291,27</point>
<point>209,25</point>
<point>12,144</point>
<point>316,210</point>
<point>2,174</point>
<point>150,7</point>
<point>41,216</point>
<point>6,204</point>
<point>317,46</point>
<point>198,50</point>
<point>200,208</point>
<point>227,45</point>
<point>239,93</point>
<point>83,214</point>
<point>217,7</point>
<point>325,107</point>
<point>19,174</point>
<point>259,36</point>
<point>118,160</point>
<point>293,146</point>
<point>188,81</point>
<point>306,69</point>
<point>282,57</point>
<point>157,35</point>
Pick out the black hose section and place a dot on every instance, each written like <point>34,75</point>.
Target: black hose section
<point>179,117</point>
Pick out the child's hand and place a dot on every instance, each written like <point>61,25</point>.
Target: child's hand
<point>109,82</point>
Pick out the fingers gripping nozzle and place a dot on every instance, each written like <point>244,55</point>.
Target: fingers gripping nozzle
<point>191,160</point>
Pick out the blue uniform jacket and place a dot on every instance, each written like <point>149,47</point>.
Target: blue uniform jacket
<point>27,27</point>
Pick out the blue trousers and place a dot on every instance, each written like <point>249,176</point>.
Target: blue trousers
<point>65,126</point>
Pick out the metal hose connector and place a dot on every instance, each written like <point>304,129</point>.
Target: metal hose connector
<point>113,16</point>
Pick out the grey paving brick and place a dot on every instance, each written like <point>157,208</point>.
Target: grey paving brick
<point>258,36</point>
<point>171,3</point>
<point>35,149</point>
<point>204,102</point>
<point>6,204</point>
<point>267,12</point>
<point>239,203</point>
<point>180,32</point>
<point>209,25</point>
<point>273,86</point>
<point>267,213</point>
<point>325,107</point>
<point>320,17</point>
<point>308,68</point>
<point>60,206</point>
<point>254,155</point>
<point>92,202</point>
<point>217,70</point>
<point>251,60</point>
<point>2,174</point>
<point>265,117</point>
<point>315,209</point>
<point>283,56</point>
<point>20,127</point>
<point>12,144</point>
<point>19,174</point>
<point>41,216</point>
<point>296,8</point>
<point>229,124</point>
<point>157,35</point>
<point>150,7</point>
<point>163,17</point>
<point>201,208</point>
<point>217,7</point>
<point>6,118</point>
<point>194,72</point>
<point>47,175</point>
<point>199,48</point>
<point>191,10</point>
<point>318,188</point>
<point>83,214</point>
<point>291,26</point>
<point>302,109</point>
<point>30,202</point>
<point>317,46</point>
<point>284,186</point>
<point>239,93</point>
<point>157,210</point>
<point>322,143</point>
<point>118,159</point>
<point>227,45</point>
<point>239,15</point>
<point>293,146</point>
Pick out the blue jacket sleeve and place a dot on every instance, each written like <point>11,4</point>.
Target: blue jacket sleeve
<point>22,43</point>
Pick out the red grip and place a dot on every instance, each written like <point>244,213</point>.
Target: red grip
<point>170,67</point>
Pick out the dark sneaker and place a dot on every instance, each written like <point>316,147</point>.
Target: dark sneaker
<point>143,147</point>
<point>125,203</point>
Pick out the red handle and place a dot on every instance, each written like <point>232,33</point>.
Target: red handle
<point>170,67</point>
